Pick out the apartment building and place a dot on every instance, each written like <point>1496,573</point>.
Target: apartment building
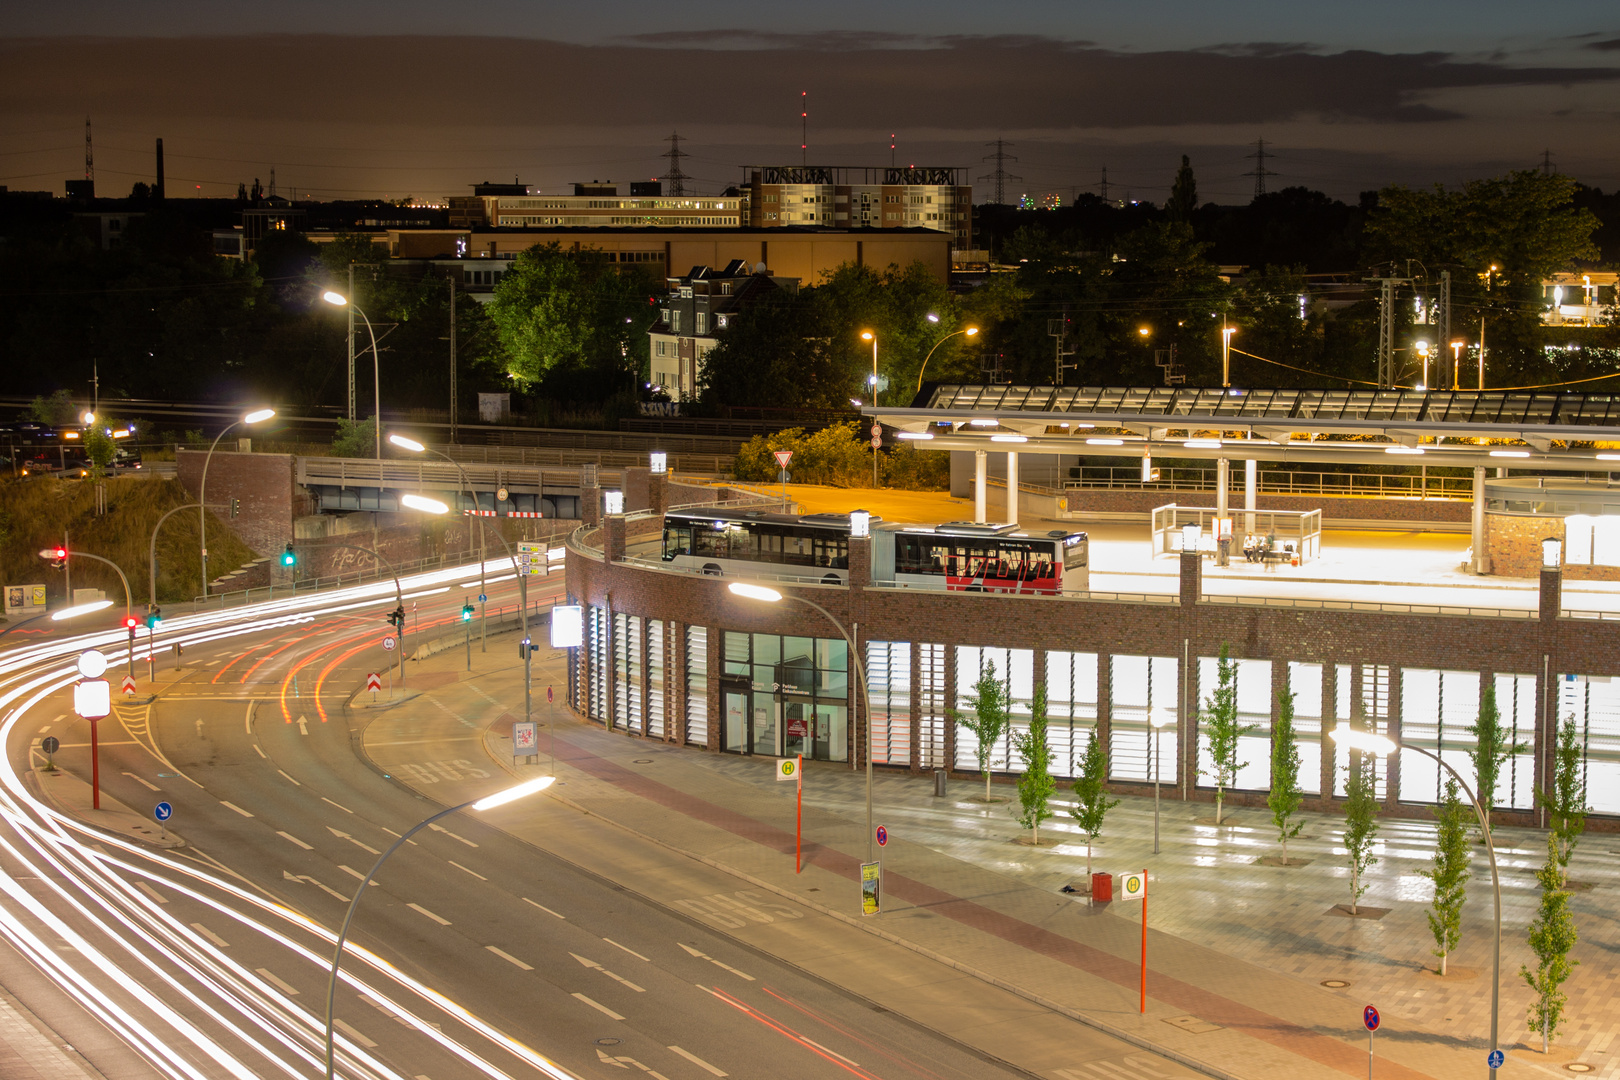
<point>594,204</point>
<point>697,309</point>
<point>853,197</point>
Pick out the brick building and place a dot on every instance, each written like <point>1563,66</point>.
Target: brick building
<point>695,312</point>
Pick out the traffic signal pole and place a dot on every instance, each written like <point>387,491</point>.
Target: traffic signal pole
<point>61,556</point>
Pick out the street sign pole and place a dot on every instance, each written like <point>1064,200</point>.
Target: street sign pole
<point>1369,1017</point>
<point>798,827</point>
<point>1144,946</point>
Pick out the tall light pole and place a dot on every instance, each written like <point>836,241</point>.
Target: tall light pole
<point>1456,363</point>
<point>1488,275</point>
<point>868,335</point>
<point>202,487</point>
<point>1226,352</point>
<point>969,331</point>
<point>488,802</point>
<point>760,592</point>
<point>339,300</point>
<point>483,553</point>
<point>1371,743</point>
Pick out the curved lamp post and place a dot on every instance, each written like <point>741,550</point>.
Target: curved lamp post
<point>63,553</point>
<point>969,331</point>
<point>483,552</point>
<point>488,802</point>
<point>1370,743</point>
<point>337,299</point>
<point>254,417</point>
<point>760,592</point>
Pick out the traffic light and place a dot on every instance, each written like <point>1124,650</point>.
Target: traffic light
<point>153,618</point>
<point>130,623</point>
<point>236,507</point>
<point>466,612</point>
<point>288,558</point>
<point>57,555</point>
<point>396,618</point>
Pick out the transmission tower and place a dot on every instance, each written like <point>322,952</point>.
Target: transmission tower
<point>89,158</point>
<point>1386,327</point>
<point>1102,189</point>
<point>1000,175</point>
<point>1260,172</point>
<point>1547,168</point>
<point>675,180</point>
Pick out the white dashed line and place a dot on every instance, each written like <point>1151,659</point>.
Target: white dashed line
<point>260,749</point>
<point>233,806</point>
<point>210,935</point>
<point>543,908</point>
<point>264,973</point>
<point>353,1034</point>
<point>599,1006</point>
<point>508,957</point>
<point>340,806</point>
<point>143,783</point>
<point>424,911</point>
<point>474,873</point>
<point>153,893</point>
<point>295,783</point>
<point>694,1059</point>
<point>294,839</point>
<point>352,872</point>
<point>451,835</point>
<point>626,948</point>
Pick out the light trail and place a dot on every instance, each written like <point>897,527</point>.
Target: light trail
<point>171,993</point>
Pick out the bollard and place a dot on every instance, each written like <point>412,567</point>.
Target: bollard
<point>939,783</point>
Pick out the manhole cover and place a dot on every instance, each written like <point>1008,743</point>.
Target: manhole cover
<point>642,761</point>
<point>1580,1067</point>
<point>607,1042</point>
<point>1191,1024</point>
<point>1335,984</point>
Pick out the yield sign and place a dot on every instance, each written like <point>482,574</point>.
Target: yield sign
<point>783,457</point>
<point>373,682</point>
<point>129,685</point>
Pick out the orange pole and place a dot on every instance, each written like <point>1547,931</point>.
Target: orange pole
<point>1144,941</point>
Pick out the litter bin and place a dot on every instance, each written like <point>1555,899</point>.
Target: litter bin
<point>939,783</point>
<point>1102,888</point>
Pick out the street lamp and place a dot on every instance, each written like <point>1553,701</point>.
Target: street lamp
<point>969,331</point>
<point>1226,353</point>
<point>415,447</point>
<point>867,335</point>
<point>1160,719</point>
<point>1423,352</point>
<point>488,802</point>
<point>337,299</point>
<point>1372,743</point>
<point>771,596</point>
<point>254,417</point>
<point>1456,363</point>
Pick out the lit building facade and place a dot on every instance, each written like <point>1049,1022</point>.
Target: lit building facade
<point>595,204</point>
<point>694,315</point>
<point>846,197</point>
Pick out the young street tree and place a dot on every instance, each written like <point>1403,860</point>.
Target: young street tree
<point>1285,797</point>
<point>1552,937</point>
<point>1035,786</point>
<point>1492,747</point>
<point>989,718</point>
<point>1565,801</point>
<point>1091,794</point>
<point>1360,823</point>
<point>1222,729</point>
<point>1449,874</point>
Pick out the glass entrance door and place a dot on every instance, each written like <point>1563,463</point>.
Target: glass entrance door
<point>763,729</point>
<point>735,735</point>
<point>798,727</point>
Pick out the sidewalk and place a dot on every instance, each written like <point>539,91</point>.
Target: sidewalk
<point>1237,952</point>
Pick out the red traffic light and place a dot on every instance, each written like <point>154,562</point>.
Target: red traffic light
<point>61,553</point>
<point>131,622</point>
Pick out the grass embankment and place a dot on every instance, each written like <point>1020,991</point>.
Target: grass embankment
<point>34,512</point>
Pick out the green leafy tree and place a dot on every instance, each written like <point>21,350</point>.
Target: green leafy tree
<point>1493,745</point>
<point>355,438</point>
<point>1091,793</point>
<point>834,455</point>
<point>56,410</point>
<point>557,310</point>
<point>1552,938</point>
<point>1035,785</point>
<point>1285,797</point>
<point>1565,800</point>
<point>1183,193</point>
<point>1222,730</point>
<point>1360,823</point>
<point>100,447</point>
<point>1449,873</point>
<point>992,712</point>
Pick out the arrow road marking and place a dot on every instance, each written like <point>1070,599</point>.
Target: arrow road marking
<point>303,725</point>
<point>594,966</point>
<point>626,1062</point>
<point>143,783</point>
<point>716,963</point>
<point>341,835</point>
<point>286,876</point>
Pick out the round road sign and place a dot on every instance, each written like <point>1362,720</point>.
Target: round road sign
<point>388,642</point>
<point>548,694</point>
<point>877,441</point>
<point>49,744</point>
<point>1369,1016</point>
<point>1494,1059</point>
<point>882,835</point>
<point>163,811</point>
<point>501,493</point>
<point>482,598</point>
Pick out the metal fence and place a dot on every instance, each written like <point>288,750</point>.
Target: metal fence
<point>1281,482</point>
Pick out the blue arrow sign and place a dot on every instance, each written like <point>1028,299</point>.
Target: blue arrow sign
<point>1494,1059</point>
<point>163,812</point>
<point>482,598</point>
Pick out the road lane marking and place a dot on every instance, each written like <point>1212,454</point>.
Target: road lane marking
<point>283,772</point>
<point>353,1034</point>
<point>834,1053</point>
<point>451,835</point>
<point>143,783</point>
<point>694,1059</point>
<point>598,1006</point>
<point>441,921</point>
<point>210,935</point>
<point>233,806</point>
<point>341,835</point>
<point>153,893</point>
<point>474,873</point>
<point>626,948</point>
<point>509,957</point>
<point>328,890</point>
<point>261,752</point>
<point>716,963</point>
<point>594,966</point>
<point>625,1063</point>
<point>264,973</point>
<point>543,908</point>
<point>340,806</point>
<point>294,839</point>
<point>355,873</point>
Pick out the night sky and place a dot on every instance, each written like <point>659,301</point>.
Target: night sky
<point>403,98</point>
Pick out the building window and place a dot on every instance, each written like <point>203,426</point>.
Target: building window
<point>702,322</point>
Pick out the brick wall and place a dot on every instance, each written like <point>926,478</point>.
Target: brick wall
<point>1514,544</point>
<point>264,485</point>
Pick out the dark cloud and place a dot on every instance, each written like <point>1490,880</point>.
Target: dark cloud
<point>974,83</point>
<point>1261,48</point>
<point>1611,45</point>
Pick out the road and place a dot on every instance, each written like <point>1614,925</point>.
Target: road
<point>473,953</point>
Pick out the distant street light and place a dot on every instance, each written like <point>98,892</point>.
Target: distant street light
<point>1226,354</point>
<point>406,443</point>
<point>969,331</point>
<point>254,417</point>
<point>337,299</point>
